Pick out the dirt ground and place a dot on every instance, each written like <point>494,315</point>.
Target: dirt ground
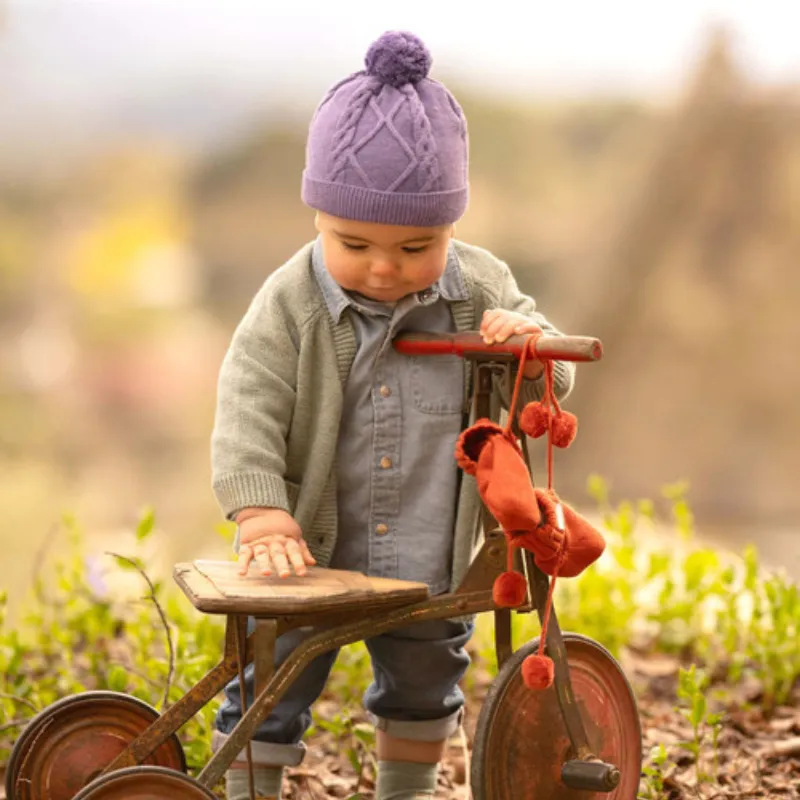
<point>757,755</point>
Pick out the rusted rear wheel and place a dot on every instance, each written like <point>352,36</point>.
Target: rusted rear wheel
<point>66,746</point>
<point>145,783</point>
<point>521,742</point>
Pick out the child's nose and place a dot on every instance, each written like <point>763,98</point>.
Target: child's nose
<point>383,267</point>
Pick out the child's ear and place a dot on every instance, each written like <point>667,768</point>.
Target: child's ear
<point>453,231</point>
<point>316,221</point>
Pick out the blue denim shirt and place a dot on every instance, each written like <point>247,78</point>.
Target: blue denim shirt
<point>398,479</point>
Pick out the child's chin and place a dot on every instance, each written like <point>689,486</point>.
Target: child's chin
<point>383,295</point>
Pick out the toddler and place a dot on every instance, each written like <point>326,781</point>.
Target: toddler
<point>331,448</point>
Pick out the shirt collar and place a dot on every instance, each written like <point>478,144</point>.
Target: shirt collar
<point>335,297</point>
<point>450,286</point>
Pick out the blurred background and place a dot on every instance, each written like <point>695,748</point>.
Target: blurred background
<point>638,166</point>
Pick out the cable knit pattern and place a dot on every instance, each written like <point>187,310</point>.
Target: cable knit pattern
<point>344,135</point>
<point>389,144</point>
<point>425,143</point>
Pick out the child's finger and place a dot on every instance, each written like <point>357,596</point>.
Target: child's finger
<point>494,327</point>
<point>262,558</point>
<point>486,325</point>
<point>245,557</point>
<point>505,330</point>
<point>307,557</point>
<point>279,560</point>
<point>296,557</point>
<point>489,318</point>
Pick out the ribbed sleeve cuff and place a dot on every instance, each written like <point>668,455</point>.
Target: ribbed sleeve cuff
<point>563,378</point>
<point>533,389</point>
<point>243,490</point>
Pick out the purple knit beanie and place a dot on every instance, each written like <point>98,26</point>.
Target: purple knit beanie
<point>389,144</point>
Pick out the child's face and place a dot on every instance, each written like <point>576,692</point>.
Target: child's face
<point>383,262</point>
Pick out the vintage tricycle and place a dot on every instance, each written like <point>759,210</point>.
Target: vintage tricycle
<point>580,738</point>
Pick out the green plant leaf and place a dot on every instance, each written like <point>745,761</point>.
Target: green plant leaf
<point>117,678</point>
<point>125,563</point>
<point>146,524</point>
<point>698,709</point>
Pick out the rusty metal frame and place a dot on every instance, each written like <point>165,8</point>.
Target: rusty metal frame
<point>473,596</point>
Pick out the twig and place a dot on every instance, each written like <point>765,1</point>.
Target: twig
<point>360,775</point>
<point>15,723</point>
<point>787,747</point>
<point>307,789</point>
<point>304,780</point>
<point>138,673</point>
<point>21,700</point>
<point>170,646</point>
<point>38,558</point>
<point>467,768</point>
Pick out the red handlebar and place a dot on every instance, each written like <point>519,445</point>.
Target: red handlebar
<point>561,348</point>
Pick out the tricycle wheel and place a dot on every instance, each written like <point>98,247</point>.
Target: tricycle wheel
<point>66,746</point>
<point>145,783</point>
<point>521,742</point>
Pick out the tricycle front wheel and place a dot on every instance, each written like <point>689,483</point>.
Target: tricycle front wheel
<point>522,744</point>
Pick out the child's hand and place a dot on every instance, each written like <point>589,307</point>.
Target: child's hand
<point>274,540</point>
<point>498,324</point>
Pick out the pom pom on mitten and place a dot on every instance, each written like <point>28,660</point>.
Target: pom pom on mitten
<point>510,590</point>
<point>538,672</point>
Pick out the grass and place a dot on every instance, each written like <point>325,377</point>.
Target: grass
<point>79,631</point>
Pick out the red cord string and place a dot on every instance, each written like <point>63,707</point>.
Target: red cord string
<point>549,401</point>
<point>530,347</point>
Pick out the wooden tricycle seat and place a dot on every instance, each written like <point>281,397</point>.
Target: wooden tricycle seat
<point>215,587</point>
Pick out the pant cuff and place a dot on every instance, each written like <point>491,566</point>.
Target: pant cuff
<point>428,730</point>
<point>266,754</point>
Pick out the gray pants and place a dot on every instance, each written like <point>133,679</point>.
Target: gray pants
<point>414,693</point>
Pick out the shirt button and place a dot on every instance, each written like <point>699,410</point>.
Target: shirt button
<point>386,462</point>
<point>381,529</point>
<point>385,391</point>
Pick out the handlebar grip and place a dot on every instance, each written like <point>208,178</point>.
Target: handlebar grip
<point>561,348</point>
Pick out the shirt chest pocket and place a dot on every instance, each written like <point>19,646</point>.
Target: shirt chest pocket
<point>437,384</point>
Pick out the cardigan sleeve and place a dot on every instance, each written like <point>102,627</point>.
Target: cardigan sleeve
<point>256,393</point>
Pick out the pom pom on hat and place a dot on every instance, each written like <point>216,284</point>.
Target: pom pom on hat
<point>398,58</point>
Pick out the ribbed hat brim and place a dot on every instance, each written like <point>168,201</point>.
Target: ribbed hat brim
<point>390,208</point>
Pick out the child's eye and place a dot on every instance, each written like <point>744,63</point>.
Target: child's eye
<point>414,250</point>
<point>348,246</point>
